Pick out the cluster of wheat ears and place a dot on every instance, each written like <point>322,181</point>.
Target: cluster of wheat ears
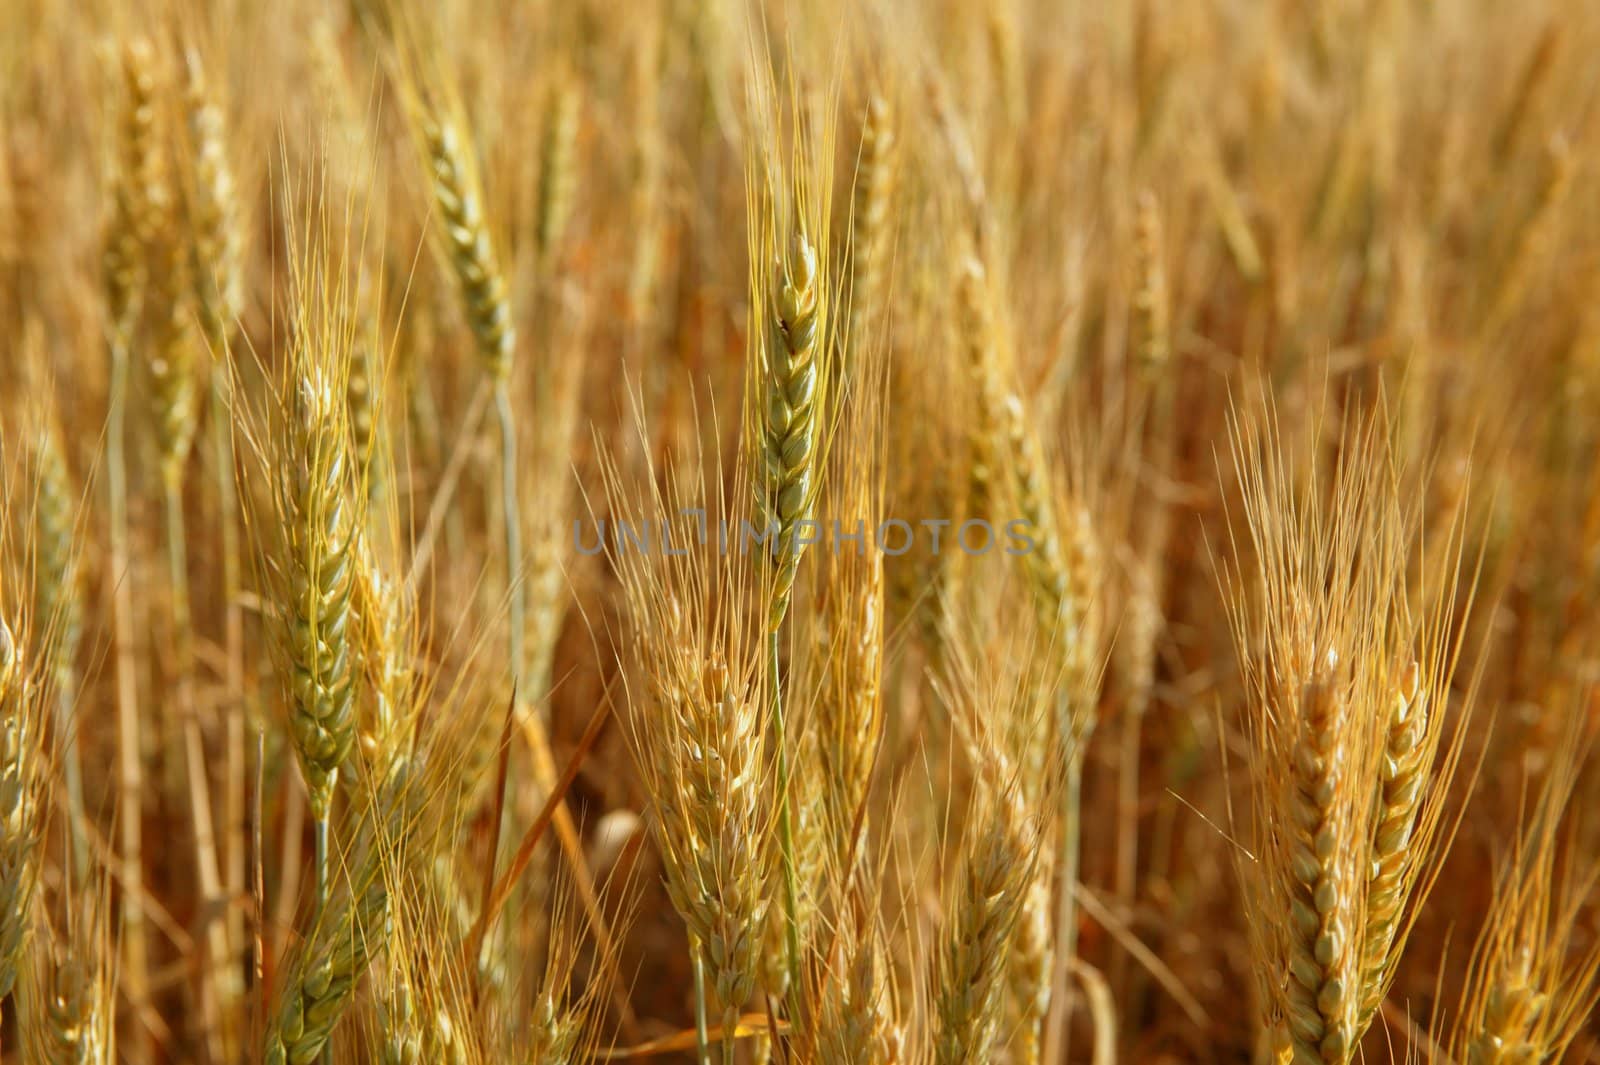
<point>388,391</point>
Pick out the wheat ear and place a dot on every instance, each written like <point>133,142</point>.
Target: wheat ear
<point>319,571</point>
<point>977,340</point>
<point>73,983</point>
<point>1533,982</point>
<point>321,981</point>
<point>855,1019</point>
<point>20,808</point>
<point>1321,975</point>
<point>697,738</point>
<point>458,194</point>
<point>125,271</point>
<point>790,443</point>
<point>1151,303</point>
<point>58,600</point>
<point>871,236</point>
<point>997,864</point>
<point>1403,776</point>
<point>712,877</point>
<point>218,250</point>
<point>383,641</point>
<point>850,712</point>
<point>173,369</point>
<point>557,168</point>
<point>790,430</point>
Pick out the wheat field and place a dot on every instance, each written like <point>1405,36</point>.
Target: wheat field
<point>742,531</point>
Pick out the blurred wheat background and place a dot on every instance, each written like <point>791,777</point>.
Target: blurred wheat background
<point>1172,434</point>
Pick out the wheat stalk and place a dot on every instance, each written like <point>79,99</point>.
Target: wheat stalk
<point>136,197</point>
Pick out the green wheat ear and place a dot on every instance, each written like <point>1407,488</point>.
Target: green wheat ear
<point>321,577</point>
<point>459,196</point>
<point>789,429</point>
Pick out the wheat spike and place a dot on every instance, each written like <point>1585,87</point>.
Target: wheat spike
<point>1321,976</point>
<point>320,981</point>
<point>713,877</point>
<point>855,1020</point>
<point>1533,982</point>
<point>557,168</point>
<point>849,711</point>
<point>318,988</point>
<point>458,194</point>
<point>790,425</point>
<point>173,369</point>
<point>871,236</point>
<point>361,401</point>
<point>57,599</point>
<point>1404,774</point>
<point>383,640</point>
<point>977,336</point>
<point>218,249</point>
<point>319,571</point>
<point>997,866</point>
<point>1152,310</point>
<point>20,808</point>
<point>138,192</point>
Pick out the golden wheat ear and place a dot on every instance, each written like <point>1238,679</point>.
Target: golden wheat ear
<point>1348,683</point>
<point>22,802</point>
<point>1533,982</point>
